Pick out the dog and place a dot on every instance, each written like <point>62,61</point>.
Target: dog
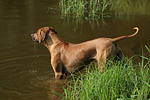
<point>69,57</point>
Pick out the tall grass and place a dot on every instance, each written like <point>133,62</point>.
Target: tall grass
<point>95,9</point>
<point>83,9</point>
<point>73,8</point>
<point>116,83</point>
<point>147,48</point>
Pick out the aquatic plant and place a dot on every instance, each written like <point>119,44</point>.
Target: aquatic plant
<point>84,9</point>
<point>96,9</point>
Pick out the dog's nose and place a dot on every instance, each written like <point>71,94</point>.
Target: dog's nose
<point>32,37</point>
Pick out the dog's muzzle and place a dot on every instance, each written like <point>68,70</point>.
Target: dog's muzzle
<point>33,38</point>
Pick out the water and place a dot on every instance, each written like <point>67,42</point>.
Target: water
<point>25,70</point>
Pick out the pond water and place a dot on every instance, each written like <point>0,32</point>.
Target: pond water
<point>25,70</point>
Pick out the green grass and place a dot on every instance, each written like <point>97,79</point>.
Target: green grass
<point>83,9</point>
<point>147,48</point>
<point>96,9</point>
<point>116,83</point>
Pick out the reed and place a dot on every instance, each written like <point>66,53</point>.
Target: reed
<point>83,9</point>
<point>74,8</point>
<point>116,83</point>
<point>96,9</point>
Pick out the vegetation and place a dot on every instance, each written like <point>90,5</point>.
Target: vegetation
<point>147,48</point>
<point>116,83</point>
<point>84,9</point>
<point>95,9</point>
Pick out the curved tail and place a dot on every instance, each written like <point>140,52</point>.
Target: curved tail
<point>127,36</point>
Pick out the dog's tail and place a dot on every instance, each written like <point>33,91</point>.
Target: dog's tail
<point>127,36</point>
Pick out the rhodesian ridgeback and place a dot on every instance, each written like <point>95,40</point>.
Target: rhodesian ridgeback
<point>69,57</point>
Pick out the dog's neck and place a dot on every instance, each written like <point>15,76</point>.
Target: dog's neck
<point>51,39</point>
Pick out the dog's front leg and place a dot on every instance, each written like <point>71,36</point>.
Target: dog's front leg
<point>57,67</point>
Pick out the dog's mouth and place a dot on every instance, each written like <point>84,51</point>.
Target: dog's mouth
<point>33,38</point>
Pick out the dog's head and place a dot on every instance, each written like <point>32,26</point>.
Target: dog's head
<point>41,34</point>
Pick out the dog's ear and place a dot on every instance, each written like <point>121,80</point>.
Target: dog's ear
<point>53,30</point>
<point>43,34</point>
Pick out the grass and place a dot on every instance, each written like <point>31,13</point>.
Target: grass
<point>147,48</point>
<point>96,9</point>
<point>83,9</point>
<point>118,82</point>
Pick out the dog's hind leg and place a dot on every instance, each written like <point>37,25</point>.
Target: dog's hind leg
<point>101,61</point>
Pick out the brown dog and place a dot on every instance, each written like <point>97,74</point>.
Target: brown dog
<point>69,57</point>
